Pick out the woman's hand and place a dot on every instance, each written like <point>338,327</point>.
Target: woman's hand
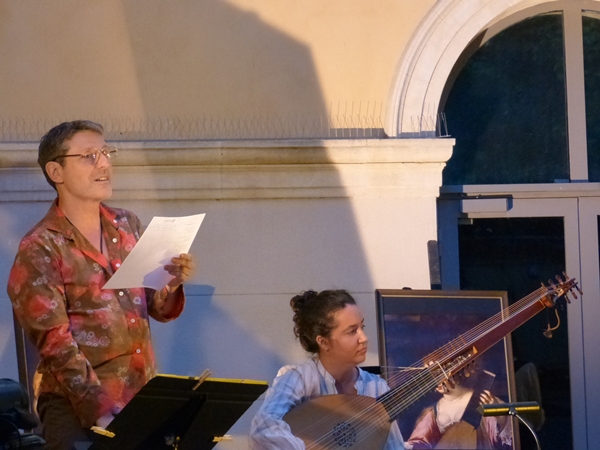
<point>487,398</point>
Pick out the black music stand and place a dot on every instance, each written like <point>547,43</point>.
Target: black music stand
<point>180,412</point>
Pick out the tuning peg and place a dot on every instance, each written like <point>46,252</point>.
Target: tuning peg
<point>559,279</point>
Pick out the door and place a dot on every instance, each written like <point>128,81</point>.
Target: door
<point>504,242</point>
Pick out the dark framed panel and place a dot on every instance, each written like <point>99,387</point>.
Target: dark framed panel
<point>415,323</point>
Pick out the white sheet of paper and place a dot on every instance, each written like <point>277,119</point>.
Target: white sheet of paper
<point>164,238</point>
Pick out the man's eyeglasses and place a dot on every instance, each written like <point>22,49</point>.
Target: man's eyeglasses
<point>92,156</point>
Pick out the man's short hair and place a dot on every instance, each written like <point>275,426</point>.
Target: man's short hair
<point>54,143</point>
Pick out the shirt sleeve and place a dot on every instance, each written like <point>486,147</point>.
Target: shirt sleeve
<point>158,297</point>
<point>37,292</point>
<point>500,438</point>
<point>269,431</point>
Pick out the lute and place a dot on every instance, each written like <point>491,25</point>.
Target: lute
<point>335,422</point>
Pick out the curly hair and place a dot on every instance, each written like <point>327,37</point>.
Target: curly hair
<point>313,315</point>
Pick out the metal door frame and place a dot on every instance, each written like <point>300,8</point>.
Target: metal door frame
<point>579,206</point>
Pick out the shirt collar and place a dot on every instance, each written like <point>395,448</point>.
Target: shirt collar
<point>110,215</point>
<point>331,381</point>
<point>323,372</point>
<point>56,220</point>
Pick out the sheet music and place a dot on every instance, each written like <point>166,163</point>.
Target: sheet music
<point>165,238</point>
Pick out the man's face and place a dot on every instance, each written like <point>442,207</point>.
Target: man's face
<point>81,179</point>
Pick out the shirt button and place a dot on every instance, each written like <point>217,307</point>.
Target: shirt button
<point>118,265</point>
<point>121,294</point>
<point>137,350</point>
<point>114,239</point>
<point>132,320</point>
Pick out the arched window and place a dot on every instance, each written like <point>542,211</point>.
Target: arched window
<point>591,44</point>
<point>516,107</point>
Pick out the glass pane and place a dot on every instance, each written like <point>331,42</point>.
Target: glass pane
<point>507,108</point>
<point>591,60</point>
<point>516,255</point>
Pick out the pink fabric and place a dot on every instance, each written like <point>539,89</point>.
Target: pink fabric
<point>426,433</point>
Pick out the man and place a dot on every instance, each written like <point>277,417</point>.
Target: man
<point>94,344</point>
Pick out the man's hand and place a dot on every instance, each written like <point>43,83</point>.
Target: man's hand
<point>181,268</point>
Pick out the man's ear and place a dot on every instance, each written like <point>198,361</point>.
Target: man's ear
<point>55,172</point>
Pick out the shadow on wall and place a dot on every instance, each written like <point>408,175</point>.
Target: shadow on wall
<point>178,62</point>
<point>253,256</point>
<point>15,219</point>
<point>219,61</point>
<point>208,337</point>
<point>210,58</point>
<point>202,58</point>
<point>192,59</point>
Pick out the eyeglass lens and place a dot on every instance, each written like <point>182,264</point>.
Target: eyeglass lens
<point>94,156</point>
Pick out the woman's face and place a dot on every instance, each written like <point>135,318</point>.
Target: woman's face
<point>348,341</point>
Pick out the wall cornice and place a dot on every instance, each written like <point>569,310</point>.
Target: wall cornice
<point>171,170</point>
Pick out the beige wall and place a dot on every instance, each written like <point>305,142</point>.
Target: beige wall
<point>209,58</point>
<point>282,217</point>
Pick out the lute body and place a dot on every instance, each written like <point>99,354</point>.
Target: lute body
<point>339,421</point>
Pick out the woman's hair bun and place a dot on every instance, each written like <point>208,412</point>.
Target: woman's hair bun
<point>298,302</point>
<point>314,315</point>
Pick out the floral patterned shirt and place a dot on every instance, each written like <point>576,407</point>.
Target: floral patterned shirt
<point>94,344</point>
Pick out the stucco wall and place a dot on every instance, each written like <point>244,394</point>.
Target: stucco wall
<point>210,58</point>
<point>282,217</point>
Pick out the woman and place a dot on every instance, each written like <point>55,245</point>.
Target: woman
<point>444,425</point>
<point>329,325</point>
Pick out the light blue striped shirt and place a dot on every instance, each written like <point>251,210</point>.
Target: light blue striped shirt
<point>296,384</point>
